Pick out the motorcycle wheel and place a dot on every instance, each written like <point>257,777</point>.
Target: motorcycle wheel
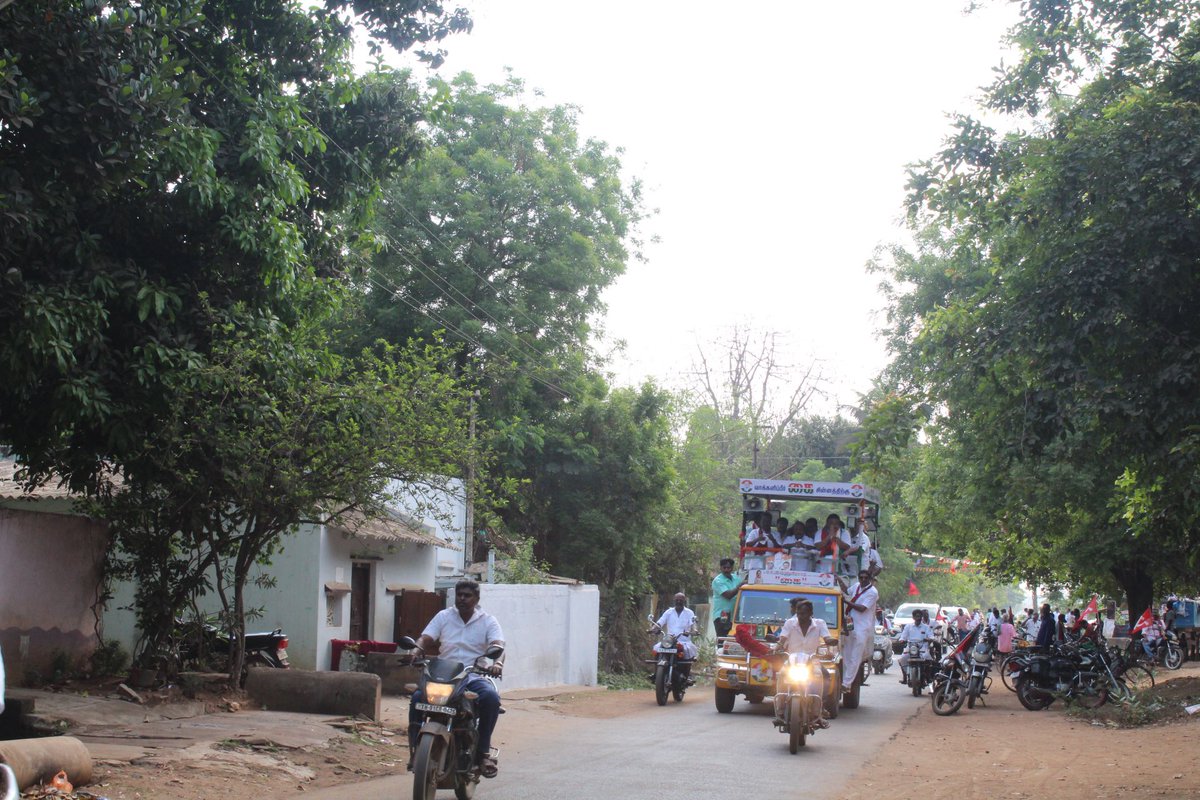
<point>426,765</point>
<point>1119,692</point>
<point>974,689</point>
<point>946,697</point>
<point>797,725</point>
<point>679,688</point>
<point>1031,696</point>
<point>1092,696</point>
<point>660,685</point>
<point>1010,671</point>
<point>915,683</point>
<point>1173,658</point>
<point>1137,678</point>
<point>464,786</point>
<point>724,699</point>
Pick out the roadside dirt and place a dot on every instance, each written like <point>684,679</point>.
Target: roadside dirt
<point>1002,750</point>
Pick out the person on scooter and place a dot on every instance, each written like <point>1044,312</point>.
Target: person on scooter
<point>464,633</point>
<point>803,633</point>
<point>918,631</point>
<point>680,621</point>
<point>861,599</point>
<point>1152,636</point>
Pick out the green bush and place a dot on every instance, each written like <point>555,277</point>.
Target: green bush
<point>109,658</point>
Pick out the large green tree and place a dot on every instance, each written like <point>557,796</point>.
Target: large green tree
<point>271,432</point>
<point>1047,315</point>
<point>157,159</point>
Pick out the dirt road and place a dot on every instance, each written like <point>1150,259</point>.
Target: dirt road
<point>621,744</point>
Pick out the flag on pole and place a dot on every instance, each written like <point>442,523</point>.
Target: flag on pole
<point>1092,608</point>
<point>1144,621</point>
<point>913,591</point>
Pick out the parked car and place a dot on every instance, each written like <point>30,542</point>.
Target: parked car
<point>904,616</point>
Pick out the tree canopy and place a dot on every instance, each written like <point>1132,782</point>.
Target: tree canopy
<point>1045,320</point>
<point>158,159</point>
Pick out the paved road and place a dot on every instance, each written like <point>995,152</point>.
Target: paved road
<point>673,751</point>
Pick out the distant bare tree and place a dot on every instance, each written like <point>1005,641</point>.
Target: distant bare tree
<point>755,394</point>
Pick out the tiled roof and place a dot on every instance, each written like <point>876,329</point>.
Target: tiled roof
<point>395,528</point>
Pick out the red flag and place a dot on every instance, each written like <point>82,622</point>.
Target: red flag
<point>1092,608</point>
<point>1143,621</point>
<point>913,591</point>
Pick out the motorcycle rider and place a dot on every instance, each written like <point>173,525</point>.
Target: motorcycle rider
<point>680,621</point>
<point>861,598</point>
<point>804,634</point>
<point>464,633</point>
<point>917,631</point>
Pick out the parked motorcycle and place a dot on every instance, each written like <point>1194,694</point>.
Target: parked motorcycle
<point>953,677</point>
<point>798,699</point>
<point>446,752</point>
<point>1066,672</point>
<point>202,640</point>
<point>981,664</point>
<point>881,656</point>
<point>672,668</point>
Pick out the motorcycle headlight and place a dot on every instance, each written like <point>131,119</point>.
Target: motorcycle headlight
<point>438,693</point>
<point>798,673</point>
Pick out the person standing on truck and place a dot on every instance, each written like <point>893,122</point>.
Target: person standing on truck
<point>724,590</point>
<point>861,599</point>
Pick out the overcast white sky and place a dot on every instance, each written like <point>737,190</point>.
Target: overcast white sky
<point>772,137</point>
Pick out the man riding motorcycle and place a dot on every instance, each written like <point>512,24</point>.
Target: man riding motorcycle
<point>464,633</point>
<point>804,634</point>
<point>917,631</point>
<point>680,621</point>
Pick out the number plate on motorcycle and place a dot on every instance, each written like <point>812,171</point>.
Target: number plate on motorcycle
<point>282,654</point>
<point>434,709</point>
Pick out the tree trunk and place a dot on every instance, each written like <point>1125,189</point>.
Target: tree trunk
<point>1138,585</point>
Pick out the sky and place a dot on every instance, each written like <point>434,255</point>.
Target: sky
<point>771,138</point>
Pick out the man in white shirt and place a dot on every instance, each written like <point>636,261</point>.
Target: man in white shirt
<point>856,551</point>
<point>680,621</point>
<point>464,633</point>
<point>917,631</point>
<point>804,634</point>
<point>861,598</point>
<point>809,546</point>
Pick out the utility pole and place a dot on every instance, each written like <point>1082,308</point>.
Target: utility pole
<point>469,491</point>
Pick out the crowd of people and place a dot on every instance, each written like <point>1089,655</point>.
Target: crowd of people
<point>813,547</point>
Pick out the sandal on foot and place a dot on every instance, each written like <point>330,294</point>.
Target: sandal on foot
<point>487,767</point>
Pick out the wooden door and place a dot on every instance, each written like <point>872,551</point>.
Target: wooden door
<point>414,609</point>
<point>360,602</point>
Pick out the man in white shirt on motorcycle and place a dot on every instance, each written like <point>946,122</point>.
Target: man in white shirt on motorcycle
<point>680,621</point>
<point>861,598</point>
<point>803,633</point>
<point>917,631</point>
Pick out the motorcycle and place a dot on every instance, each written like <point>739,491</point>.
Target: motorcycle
<point>1066,672</point>
<point>981,665</point>
<point>798,706</point>
<point>446,751</point>
<point>672,668</point>
<point>951,683</point>
<point>881,656</point>
<point>202,640</point>
<point>921,669</point>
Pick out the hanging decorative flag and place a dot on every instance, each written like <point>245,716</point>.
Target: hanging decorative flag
<point>913,591</point>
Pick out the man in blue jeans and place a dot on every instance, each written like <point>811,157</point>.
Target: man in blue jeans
<point>464,633</point>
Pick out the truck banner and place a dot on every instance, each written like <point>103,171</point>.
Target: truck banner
<point>823,580</point>
<point>805,490</point>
